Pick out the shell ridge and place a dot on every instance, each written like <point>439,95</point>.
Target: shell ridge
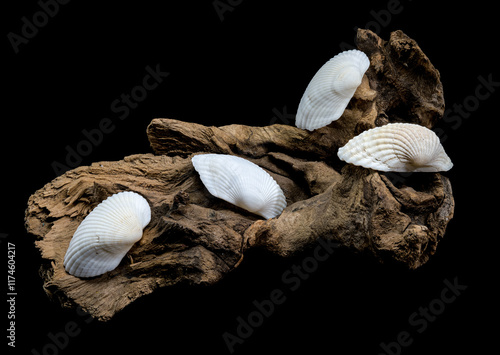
<point>106,234</point>
<point>330,90</point>
<point>245,184</point>
<point>402,147</point>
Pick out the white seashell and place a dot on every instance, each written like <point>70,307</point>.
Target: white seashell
<point>107,234</point>
<point>240,182</point>
<point>399,147</point>
<point>331,89</point>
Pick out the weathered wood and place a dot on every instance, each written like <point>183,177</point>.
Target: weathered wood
<point>195,238</point>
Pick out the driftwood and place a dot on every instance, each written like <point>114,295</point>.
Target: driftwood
<point>195,238</point>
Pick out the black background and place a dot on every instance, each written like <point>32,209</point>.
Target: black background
<point>260,57</point>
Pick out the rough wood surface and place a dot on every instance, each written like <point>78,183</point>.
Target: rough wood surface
<point>195,238</point>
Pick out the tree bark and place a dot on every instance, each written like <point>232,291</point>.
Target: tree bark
<point>195,238</point>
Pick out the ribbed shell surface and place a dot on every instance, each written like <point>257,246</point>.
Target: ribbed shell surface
<point>398,147</point>
<point>331,89</point>
<point>240,182</point>
<point>107,234</point>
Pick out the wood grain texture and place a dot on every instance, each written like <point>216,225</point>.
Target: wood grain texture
<point>195,239</point>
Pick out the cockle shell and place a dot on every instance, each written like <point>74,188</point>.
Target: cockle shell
<point>331,89</point>
<point>107,234</point>
<point>240,182</point>
<point>398,147</point>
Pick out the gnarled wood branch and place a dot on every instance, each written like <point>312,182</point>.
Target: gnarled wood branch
<point>195,238</point>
